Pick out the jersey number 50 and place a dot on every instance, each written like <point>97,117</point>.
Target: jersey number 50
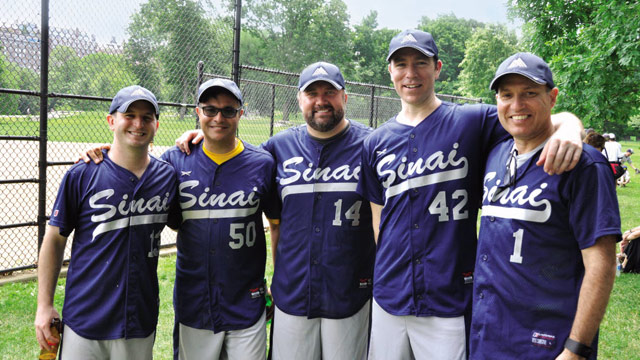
<point>242,235</point>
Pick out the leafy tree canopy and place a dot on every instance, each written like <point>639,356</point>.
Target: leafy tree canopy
<point>593,46</point>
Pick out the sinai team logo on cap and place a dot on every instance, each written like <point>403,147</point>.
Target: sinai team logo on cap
<point>517,63</point>
<point>320,71</point>
<point>414,39</point>
<point>228,85</point>
<point>138,92</point>
<point>130,94</point>
<point>527,65</point>
<point>409,39</point>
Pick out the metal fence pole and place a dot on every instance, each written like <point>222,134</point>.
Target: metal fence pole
<point>235,71</point>
<point>273,108</point>
<point>44,104</point>
<point>373,99</point>
<point>199,82</point>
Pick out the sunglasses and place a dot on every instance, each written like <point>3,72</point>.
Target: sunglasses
<point>227,112</point>
<point>509,178</point>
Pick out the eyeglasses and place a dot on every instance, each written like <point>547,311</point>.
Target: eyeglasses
<point>509,175</point>
<point>227,112</point>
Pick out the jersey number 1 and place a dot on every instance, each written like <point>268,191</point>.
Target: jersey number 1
<point>516,257</point>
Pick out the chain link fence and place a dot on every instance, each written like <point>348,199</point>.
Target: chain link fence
<point>271,105</point>
<point>98,47</point>
<point>95,49</point>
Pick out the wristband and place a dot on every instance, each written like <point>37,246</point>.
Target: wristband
<point>578,348</point>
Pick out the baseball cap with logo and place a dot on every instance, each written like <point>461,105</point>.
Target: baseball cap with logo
<point>321,71</point>
<point>415,39</point>
<point>527,65</point>
<point>228,85</point>
<point>127,96</point>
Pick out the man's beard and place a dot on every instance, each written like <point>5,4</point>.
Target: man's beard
<point>338,115</point>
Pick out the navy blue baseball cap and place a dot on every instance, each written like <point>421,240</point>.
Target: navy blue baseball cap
<point>415,39</point>
<point>321,71</point>
<point>229,85</point>
<point>527,65</point>
<point>127,96</point>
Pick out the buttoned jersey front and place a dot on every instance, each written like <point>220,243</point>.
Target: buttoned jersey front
<point>529,268</point>
<point>324,257</point>
<point>112,284</point>
<point>428,179</point>
<point>221,242</point>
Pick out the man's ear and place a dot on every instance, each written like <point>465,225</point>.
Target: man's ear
<point>111,120</point>
<point>553,93</point>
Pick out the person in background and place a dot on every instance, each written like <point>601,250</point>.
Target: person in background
<point>629,254</point>
<point>612,149</point>
<point>596,140</point>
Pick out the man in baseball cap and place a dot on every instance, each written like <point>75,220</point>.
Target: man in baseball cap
<point>117,210</point>
<point>220,289</point>
<point>422,173</point>
<point>539,258</point>
<point>323,247</point>
<point>626,158</point>
<point>612,149</point>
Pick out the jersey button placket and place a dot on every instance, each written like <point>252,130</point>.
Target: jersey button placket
<point>316,239</point>
<point>418,265</point>
<point>212,264</point>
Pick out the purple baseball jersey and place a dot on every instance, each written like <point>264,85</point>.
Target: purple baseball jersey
<point>324,258</point>
<point>221,242</point>
<point>529,267</point>
<point>112,284</point>
<point>429,180</point>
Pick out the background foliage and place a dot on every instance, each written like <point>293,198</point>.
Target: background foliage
<point>593,47</point>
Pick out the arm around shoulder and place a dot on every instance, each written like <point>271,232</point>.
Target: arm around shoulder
<point>562,151</point>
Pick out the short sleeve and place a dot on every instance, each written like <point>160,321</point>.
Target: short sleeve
<point>594,204</point>
<point>66,207</point>
<point>368,185</point>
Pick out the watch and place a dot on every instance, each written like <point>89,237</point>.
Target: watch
<point>578,348</point>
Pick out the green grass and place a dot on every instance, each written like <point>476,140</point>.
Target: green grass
<point>91,127</point>
<point>618,332</point>
<point>18,302</point>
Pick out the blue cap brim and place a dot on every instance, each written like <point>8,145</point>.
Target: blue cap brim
<point>428,54</point>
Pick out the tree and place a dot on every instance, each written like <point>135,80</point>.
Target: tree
<point>451,35</point>
<point>485,50</point>
<point>103,75</point>
<point>8,103</point>
<point>64,74</point>
<point>296,33</point>
<point>167,40</point>
<point>594,49</point>
<point>370,46</point>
